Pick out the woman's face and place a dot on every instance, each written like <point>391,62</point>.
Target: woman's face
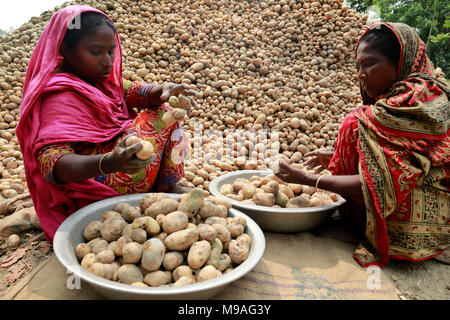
<point>92,58</point>
<point>376,72</point>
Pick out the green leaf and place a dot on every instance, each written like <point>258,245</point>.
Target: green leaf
<point>159,124</point>
<point>138,176</point>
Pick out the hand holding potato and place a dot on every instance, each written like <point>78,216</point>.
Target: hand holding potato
<point>122,158</point>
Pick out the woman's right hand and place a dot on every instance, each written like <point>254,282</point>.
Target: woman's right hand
<point>320,160</point>
<point>122,159</point>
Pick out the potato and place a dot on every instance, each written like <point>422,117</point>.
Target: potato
<point>213,220</point>
<point>222,232</point>
<point>139,223</point>
<point>184,280</point>
<point>92,230</point>
<point>156,278</point>
<point>206,232</point>
<point>110,269</point>
<point>209,209</point>
<point>298,202</point>
<point>248,191</point>
<point>325,197</point>
<point>240,220</point>
<point>109,213</point>
<point>239,183</point>
<point>173,101</point>
<point>296,188</point>
<point>129,273</point>
<point>152,226</point>
<point>181,240</point>
<point>128,230</point>
<point>334,197</point>
<point>106,256</point>
<point>226,189</point>
<point>172,260</point>
<point>228,270</point>
<point>244,239</point>
<point>146,152</point>
<point>121,242</point>
<point>153,254</point>
<point>127,211</point>
<point>139,235</point>
<point>81,250</point>
<point>88,260</point>
<point>150,198</point>
<point>98,245</point>
<point>281,199</point>
<point>208,273</point>
<point>315,201</point>
<point>264,199</point>
<point>147,147</point>
<point>287,191</point>
<point>192,203</point>
<point>271,187</point>
<point>174,221</point>
<point>199,254</point>
<point>112,228</point>
<point>236,229</point>
<point>163,206</point>
<point>237,197</point>
<point>98,269</point>
<point>265,180</point>
<point>239,249</point>
<point>181,271</point>
<point>216,200</point>
<point>132,252</point>
<point>184,102</point>
<point>139,284</point>
<point>173,115</point>
<point>162,236</point>
<point>216,251</point>
<point>224,262</point>
<point>308,190</point>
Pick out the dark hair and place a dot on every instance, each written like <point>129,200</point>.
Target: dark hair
<point>384,41</point>
<point>83,24</point>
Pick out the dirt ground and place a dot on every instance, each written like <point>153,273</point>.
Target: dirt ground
<point>428,280</point>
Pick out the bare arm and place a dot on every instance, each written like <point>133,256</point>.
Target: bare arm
<point>76,168</point>
<point>347,186</point>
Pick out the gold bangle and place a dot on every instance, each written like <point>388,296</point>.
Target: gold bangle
<point>317,182</point>
<point>100,163</point>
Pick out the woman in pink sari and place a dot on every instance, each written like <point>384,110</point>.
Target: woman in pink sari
<point>391,160</point>
<point>77,110</point>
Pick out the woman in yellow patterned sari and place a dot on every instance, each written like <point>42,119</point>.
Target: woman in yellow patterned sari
<point>392,156</point>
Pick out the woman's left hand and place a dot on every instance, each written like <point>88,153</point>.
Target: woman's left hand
<point>173,89</point>
<point>290,174</point>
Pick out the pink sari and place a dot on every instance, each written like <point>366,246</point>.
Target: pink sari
<point>86,113</point>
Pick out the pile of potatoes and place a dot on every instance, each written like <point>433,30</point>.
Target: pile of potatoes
<point>285,66</point>
<point>270,191</point>
<point>165,242</point>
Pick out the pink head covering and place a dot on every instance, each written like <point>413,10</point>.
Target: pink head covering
<point>77,112</point>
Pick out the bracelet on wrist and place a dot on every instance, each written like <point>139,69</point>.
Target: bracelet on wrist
<point>317,181</point>
<point>100,164</point>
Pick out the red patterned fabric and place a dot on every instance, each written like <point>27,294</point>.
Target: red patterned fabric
<point>169,144</point>
<point>403,149</point>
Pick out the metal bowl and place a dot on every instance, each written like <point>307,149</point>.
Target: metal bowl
<point>70,234</point>
<point>275,219</point>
